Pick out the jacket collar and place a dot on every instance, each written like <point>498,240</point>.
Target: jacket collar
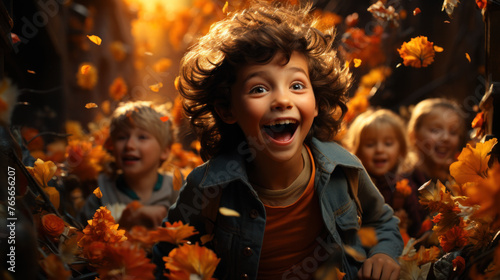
<point>229,167</point>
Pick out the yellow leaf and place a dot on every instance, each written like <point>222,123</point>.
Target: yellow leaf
<point>98,192</point>
<point>467,56</point>
<point>357,62</point>
<point>95,39</point>
<point>43,171</point>
<point>228,212</point>
<point>472,164</point>
<point>418,52</point>
<point>368,236</point>
<point>90,105</point>
<point>53,195</point>
<point>156,87</point>
<point>177,180</point>
<point>225,8</point>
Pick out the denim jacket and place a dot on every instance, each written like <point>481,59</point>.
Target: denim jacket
<point>238,240</point>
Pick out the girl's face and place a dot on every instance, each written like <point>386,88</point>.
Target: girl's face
<point>379,149</point>
<point>438,137</point>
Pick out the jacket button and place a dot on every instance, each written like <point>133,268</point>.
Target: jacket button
<point>244,276</point>
<point>247,251</point>
<point>254,214</point>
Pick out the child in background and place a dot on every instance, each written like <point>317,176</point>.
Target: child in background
<point>437,133</point>
<point>140,143</point>
<point>379,139</point>
<point>262,90</point>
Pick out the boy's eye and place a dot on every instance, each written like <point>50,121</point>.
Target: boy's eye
<point>297,86</point>
<point>258,89</point>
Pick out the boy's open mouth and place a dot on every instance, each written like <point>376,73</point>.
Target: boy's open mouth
<point>281,130</point>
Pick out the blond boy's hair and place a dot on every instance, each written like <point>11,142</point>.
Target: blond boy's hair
<point>143,115</point>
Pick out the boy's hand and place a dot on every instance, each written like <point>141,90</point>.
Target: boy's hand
<point>149,216</point>
<point>379,266</point>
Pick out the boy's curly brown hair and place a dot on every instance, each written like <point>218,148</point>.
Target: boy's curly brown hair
<point>255,35</point>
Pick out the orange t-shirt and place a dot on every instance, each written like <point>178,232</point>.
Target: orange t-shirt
<point>291,233</point>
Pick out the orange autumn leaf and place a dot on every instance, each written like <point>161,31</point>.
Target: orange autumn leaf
<point>225,8</point>
<point>467,56</point>
<point>189,260</point>
<point>472,164</point>
<point>140,235</point>
<point>134,205</point>
<point>95,39</point>
<point>54,268</point>
<point>403,187</point>
<point>438,49</point>
<point>481,4</point>
<point>87,76</point>
<point>416,11</point>
<point>175,233</point>
<point>164,118</point>
<point>354,253</point>
<point>478,120</point>
<point>418,52</point>
<point>90,105</point>
<point>486,194</point>
<point>125,261</point>
<point>118,89</point>
<point>54,196</point>
<point>357,62</point>
<point>31,71</point>
<point>156,87</point>
<point>206,238</point>
<point>456,237</point>
<point>162,65</point>
<point>458,265</point>
<point>97,192</point>
<point>52,225</point>
<point>368,236</point>
<point>101,227</point>
<point>118,50</point>
<point>435,197</point>
<point>43,171</point>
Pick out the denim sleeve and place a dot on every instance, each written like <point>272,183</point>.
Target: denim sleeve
<point>379,215</point>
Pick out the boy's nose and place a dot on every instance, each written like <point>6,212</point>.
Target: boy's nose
<point>130,144</point>
<point>282,101</point>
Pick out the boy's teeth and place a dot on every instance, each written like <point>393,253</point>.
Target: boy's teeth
<point>281,122</point>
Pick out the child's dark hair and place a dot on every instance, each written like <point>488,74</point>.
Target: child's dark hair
<point>255,35</point>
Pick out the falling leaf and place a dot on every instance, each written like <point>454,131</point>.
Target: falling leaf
<point>472,164</point>
<point>416,11</point>
<point>418,52</point>
<point>95,39</point>
<point>481,4</point>
<point>162,65</point>
<point>447,21</point>
<point>368,236</point>
<point>228,212</point>
<point>225,8</point>
<point>164,118</point>
<point>156,87</point>
<point>354,253</point>
<point>206,238</point>
<point>467,56</point>
<point>98,192</point>
<point>449,6</point>
<point>177,180</point>
<point>87,76</point>
<point>438,49</point>
<point>118,89</point>
<point>15,38</point>
<point>403,187</point>
<point>380,12</point>
<point>357,62</point>
<point>478,120</point>
<point>399,65</point>
<point>90,105</point>
<point>31,71</point>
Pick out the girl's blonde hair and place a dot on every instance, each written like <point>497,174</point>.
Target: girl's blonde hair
<point>430,106</point>
<point>374,119</point>
<point>144,115</point>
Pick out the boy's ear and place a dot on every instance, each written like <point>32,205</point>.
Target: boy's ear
<point>165,153</point>
<point>224,111</point>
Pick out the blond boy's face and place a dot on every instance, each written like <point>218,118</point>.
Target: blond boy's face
<point>274,105</point>
<point>138,152</point>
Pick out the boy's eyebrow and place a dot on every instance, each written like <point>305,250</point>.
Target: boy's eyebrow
<point>263,73</point>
